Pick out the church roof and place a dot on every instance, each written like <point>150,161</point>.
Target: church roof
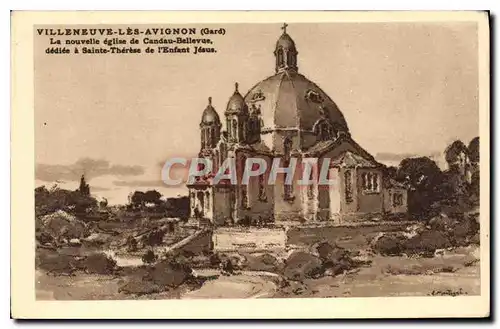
<point>290,100</point>
<point>343,142</point>
<point>351,160</point>
<point>286,42</point>
<point>236,103</point>
<point>209,115</point>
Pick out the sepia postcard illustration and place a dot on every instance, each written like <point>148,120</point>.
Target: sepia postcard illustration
<point>250,165</point>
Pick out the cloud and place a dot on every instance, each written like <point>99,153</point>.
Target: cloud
<point>90,167</point>
<point>138,183</point>
<point>386,156</point>
<point>99,188</point>
<point>145,183</point>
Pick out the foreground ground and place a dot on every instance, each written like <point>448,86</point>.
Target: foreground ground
<point>454,272</point>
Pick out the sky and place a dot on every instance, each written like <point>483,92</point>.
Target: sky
<point>405,89</point>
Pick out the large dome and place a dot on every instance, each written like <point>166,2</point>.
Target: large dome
<point>289,100</point>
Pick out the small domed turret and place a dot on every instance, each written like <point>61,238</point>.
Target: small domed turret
<point>286,42</point>
<point>209,127</point>
<point>236,104</point>
<point>236,117</point>
<point>209,115</point>
<point>285,52</point>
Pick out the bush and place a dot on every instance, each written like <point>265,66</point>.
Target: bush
<point>264,262</point>
<point>149,257</point>
<point>301,265</point>
<point>55,263</point>
<point>44,238</point>
<point>62,225</point>
<point>98,263</point>
<point>204,260</point>
<point>154,237</point>
<point>335,259</point>
<point>391,244</point>
<point>168,273</point>
<point>445,231</point>
<point>463,232</point>
<point>426,243</point>
<point>139,288</point>
<point>475,239</point>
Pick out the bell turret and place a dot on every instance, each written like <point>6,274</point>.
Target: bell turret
<point>285,52</point>
<point>236,117</point>
<point>210,127</point>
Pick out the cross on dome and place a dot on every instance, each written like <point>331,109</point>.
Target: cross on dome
<point>284,27</point>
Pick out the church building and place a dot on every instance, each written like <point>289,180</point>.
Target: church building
<point>288,116</point>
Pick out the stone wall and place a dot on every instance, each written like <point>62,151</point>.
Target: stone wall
<point>248,239</point>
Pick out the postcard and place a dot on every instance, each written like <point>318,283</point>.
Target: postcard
<point>272,165</point>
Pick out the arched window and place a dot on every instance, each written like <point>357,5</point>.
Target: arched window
<point>289,60</point>
<point>375,182</point>
<point>243,188</point>
<point>244,196</point>
<point>310,187</point>
<point>216,161</point>
<point>370,182</point>
<point>279,57</point>
<point>201,202</point>
<point>323,130</point>
<point>348,186</point>
<point>262,189</point>
<point>192,200</point>
<point>213,137</point>
<point>207,201</point>
<point>234,133</point>
<point>202,137</point>
<point>209,137</point>
<point>222,154</point>
<point>287,149</point>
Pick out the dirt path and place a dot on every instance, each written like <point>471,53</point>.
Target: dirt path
<point>243,285</point>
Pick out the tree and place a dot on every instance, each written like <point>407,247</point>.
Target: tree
<point>84,188</point>
<point>475,176</point>
<point>473,149</point>
<point>425,180</point>
<point>453,152</point>
<point>153,196</point>
<point>103,203</point>
<point>390,172</point>
<point>138,199</point>
<point>82,203</point>
<point>177,207</point>
<point>48,201</point>
<point>149,257</point>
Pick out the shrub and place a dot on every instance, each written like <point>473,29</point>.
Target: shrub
<point>56,263</point>
<point>98,263</point>
<point>44,238</point>
<point>149,257</point>
<point>264,262</point>
<point>139,288</point>
<point>391,244</point>
<point>168,273</point>
<point>301,265</point>
<point>426,243</point>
